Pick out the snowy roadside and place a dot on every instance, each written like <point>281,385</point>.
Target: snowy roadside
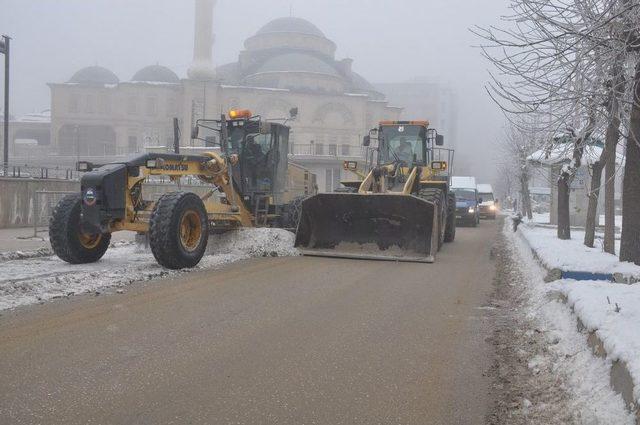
<point>600,317</point>
<point>568,353</point>
<point>572,255</point>
<point>32,279</point>
<point>611,313</point>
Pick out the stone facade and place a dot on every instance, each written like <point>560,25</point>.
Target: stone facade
<point>288,63</point>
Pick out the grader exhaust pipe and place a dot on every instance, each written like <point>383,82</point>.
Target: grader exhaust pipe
<point>381,226</point>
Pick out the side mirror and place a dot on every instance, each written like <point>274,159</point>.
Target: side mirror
<point>293,113</point>
<point>495,201</point>
<point>439,140</point>
<point>366,140</point>
<point>480,200</point>
<point>194,132</point>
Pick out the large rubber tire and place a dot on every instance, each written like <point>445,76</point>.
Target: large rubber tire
<point>436,196</point>
<point>178,230</point>
<point>67,240</point>
<point>450,229</point>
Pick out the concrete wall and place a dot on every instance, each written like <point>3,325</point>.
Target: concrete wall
<point>17,196</point>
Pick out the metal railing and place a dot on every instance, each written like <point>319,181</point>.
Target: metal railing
<point>44,201</point>
<point>327,150</point>
<point>26,171</point>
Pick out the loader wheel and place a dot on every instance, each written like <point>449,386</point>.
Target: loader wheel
<point>437,198</point>
<point>450,229</point>
<point>67,239</point>
<point>178,230</point>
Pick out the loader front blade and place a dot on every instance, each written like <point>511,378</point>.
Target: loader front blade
<point>369,226</point>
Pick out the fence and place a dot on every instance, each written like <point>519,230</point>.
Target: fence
<point>44,201</point>
<point>25,171</point>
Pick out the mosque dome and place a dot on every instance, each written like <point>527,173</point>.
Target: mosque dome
<point>291,25</point>
<point>94,75</point>
<point>156,74</point>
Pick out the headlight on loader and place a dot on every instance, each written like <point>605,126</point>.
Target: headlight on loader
<point>492,208</point>
<point>472,210</point>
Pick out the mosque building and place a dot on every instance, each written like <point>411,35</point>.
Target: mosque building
<point>288,63</point>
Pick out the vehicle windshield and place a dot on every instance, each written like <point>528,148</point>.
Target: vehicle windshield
<point>404,143</point>
<point>486,197</point>
<point>465,194</point>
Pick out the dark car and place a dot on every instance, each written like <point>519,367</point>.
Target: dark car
<point>467,206</point>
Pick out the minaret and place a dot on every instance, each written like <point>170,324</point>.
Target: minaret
<point>202,66</point>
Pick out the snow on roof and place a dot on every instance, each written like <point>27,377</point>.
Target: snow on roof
<point>485,188</point>
<point>463,182</point>
<point>563,152</point>
<point>41,117</point>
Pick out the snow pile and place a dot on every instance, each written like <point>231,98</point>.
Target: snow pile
<point>568,353</point>
<point>613,312</point>
<point>22,255</point>
<point>572,255</point>
<point>32,280</point>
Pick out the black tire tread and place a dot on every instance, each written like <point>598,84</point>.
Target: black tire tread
<point>163,234</point>
<point>436,196</point>
<point>450,229</point>
<point>63,227</point>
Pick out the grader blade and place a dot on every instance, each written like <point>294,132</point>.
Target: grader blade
<point>368,226</point>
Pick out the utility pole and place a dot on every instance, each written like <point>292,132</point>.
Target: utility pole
<point>4,48</point>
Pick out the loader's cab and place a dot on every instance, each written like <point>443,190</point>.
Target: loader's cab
<point>257,151</point>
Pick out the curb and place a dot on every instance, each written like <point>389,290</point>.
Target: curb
<point>620,378</point>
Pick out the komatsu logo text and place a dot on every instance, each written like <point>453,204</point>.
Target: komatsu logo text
<point>175,167</point>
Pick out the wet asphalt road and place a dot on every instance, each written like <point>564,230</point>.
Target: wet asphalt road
<point>266,341</point>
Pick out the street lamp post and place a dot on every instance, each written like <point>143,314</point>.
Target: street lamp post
<point>4,48</point>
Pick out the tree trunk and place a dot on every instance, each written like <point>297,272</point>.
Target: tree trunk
<point>564,223</point>
<point>630,244</point>
<point>612,136</point>
<point>611,142</point>
<point>525,204</point>
<point>594,193</point>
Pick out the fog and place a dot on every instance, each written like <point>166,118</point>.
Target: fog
<point>389,40</point>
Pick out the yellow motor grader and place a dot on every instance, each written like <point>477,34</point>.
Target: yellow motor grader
<point>400,208</point>
<point>246,169</point>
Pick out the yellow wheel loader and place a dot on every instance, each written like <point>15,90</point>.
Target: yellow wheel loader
<point>399,209</point>
<point>245,166</point>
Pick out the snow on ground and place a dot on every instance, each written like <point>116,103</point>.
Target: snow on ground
<point>568,353</point>
<point>39,278</point>
<point>572,255</point>
<point>545,218</point>
<point>613,312</point>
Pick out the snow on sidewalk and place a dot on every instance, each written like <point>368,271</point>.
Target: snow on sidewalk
<point>568,353</point>
<point>572,255</point>
<point>31,280</point>
<point>612,311</point>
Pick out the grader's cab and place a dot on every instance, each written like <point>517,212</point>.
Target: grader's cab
<point>401,209</point>
<point>244,167</point>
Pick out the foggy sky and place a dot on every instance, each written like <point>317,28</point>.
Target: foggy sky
<point>389,40</point>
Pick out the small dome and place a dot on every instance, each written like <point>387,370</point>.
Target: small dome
<point>94,75</point>
<point>290,25</point>
<point>156,74</point>
<point>297,62</point>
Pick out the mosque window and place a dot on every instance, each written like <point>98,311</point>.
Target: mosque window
<point>90,104</point>
<point>132,105</point>
<point>73,103</point>
<point>151,106</point>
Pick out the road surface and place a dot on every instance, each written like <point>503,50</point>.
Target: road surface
<point>295,340</point>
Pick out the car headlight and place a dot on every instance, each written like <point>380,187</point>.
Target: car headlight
<point>472,210</point>
<point>492,207</point>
